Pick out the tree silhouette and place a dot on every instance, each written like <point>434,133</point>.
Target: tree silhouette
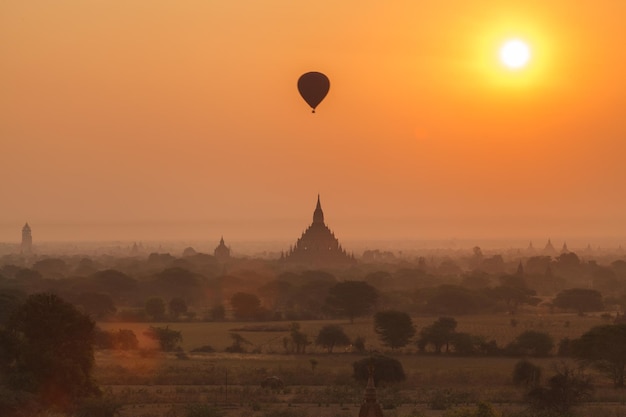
<point>395,328</point>
<point>331,336</point>
<point>581,300</point>
<point>531,343</point>
<point>51,351</point>
<point>246,306</point>
<point>351,298</point>
<point>605,348</point>
<point>438,334</point>
<point>155,308</point>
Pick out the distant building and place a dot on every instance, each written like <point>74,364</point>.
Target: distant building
<point>370,406</point>
<point>549,249</point>
<point>222,252</point>
<point>27,240</point>
<point>318,246</point>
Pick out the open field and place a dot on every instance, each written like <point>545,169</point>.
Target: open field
<point>496,327</point>
<point>151,384</point>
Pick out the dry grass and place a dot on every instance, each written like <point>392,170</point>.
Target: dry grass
<point>152,384</point>
<point>496,327</point>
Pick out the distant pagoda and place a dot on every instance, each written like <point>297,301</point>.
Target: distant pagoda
<point>549,249</point>
<point>370,406</point>
<point>318,246</point>
<point>222,252</point>
<point>27,240</point>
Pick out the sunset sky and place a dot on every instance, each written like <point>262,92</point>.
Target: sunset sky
<point>150,119</point>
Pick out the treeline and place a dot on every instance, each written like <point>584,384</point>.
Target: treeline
<point>161,287</point>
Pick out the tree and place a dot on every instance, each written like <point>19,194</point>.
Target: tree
<point>9,301</point>
<point>217,312</point>
<point>238,343</point>
<point>526,373</point>
<point>96,305</point>
<point>514,291</point>
<point>331,336</point>
<point>395,328</point>
<point>531,343</point>
<point>385,369</point>
<point>168,339</point>
<point>605,348</point>
<point>155,308</point>
<point>299,339</point>
<point>454,299</point>
<point>581,300</point>
<point>177,306</point>
<point>438,334</point>
<point>351,298</point>
<point>566,388</point>
<point>50,351</point>
<point>246,306</point>
<point>113,282</point>
<point>125,339</point>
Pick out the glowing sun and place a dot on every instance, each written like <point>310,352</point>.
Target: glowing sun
<point>515,54</point>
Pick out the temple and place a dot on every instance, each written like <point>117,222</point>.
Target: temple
<point>370,406</point>
<point>318,246</point>
<point>222,252</point>
<point>27,240</point>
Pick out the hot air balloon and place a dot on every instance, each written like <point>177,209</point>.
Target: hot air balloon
<point>313,87</point>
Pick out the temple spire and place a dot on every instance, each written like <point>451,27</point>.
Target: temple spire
<point>370,406</point>
<point>318,214</point>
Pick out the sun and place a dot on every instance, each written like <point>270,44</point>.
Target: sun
<point>515,54</point>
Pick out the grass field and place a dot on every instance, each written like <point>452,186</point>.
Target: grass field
<point>152,384</point>
<point>496,327</point>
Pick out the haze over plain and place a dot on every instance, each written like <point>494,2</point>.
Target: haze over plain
<point>152,119</point>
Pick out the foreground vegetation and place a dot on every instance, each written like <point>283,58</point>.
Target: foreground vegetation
<point>473,335</point>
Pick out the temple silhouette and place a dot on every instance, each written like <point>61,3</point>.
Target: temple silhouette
<point>318,245</point>
<point>222,252</point>
<point>26,248</point>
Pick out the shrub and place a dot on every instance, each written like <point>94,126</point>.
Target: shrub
<point>203,349</point>
<point>531,343</point>
<point>526,373</point>
<point>168,339</point>
<point>443,399</point>
<point>566,388</point>
<point>482,410</point>
<point>385,369</point>
<point>97,407</point>
<point>202,410</point>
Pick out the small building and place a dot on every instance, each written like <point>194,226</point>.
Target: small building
<point>370,406</point>
<point>222,252</point>
<point>27,240</point>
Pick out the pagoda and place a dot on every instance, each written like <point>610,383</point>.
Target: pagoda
<point>222,252</point>
<point>27,240</point>
<point>370,406</point>
<point>318,245</point>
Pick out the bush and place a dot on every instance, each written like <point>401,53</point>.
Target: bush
<point>202,410</point>
<point>566,388</point>
<point>359,344</point>
<point>443,399</point>
<point>203,349</point>
<point>482,410</point>
<point>531,343</point>
<point>527,374</point>
<point>97,407</point>
<point>168,339</point>
<point>386,369</point>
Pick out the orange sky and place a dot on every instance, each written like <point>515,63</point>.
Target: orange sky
<point>147,119</point>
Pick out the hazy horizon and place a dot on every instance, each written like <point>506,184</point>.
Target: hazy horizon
<point>286,231</point>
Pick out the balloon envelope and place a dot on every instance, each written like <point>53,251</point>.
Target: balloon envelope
<point>313,87</point>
